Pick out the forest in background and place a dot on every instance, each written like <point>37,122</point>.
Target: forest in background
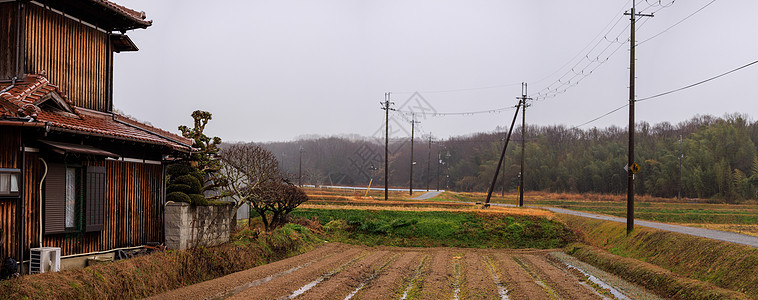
<point>718,160</point>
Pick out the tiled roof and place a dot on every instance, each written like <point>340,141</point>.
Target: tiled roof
<point>24,102</point>
<point>136,16</point>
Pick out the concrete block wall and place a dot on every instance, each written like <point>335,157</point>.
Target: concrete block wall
<point>190,226</point>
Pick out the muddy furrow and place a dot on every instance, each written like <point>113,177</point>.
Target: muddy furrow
<point>343,283</point>
<point>478,283</point>
<point>285,285</point>
<point>437,279</point>
<point>227,285</point>
<point>520,284</point>
<point>566,285</point>
<point>391,282</point>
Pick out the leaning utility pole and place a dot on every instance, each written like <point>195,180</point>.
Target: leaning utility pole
<point>386,108</point>
<point>632,167</point>
<point>523,147</point>
<point>502,157</point>
<point>413,129</point>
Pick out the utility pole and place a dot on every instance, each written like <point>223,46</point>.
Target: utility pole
<point>502,157</point>
<point>429,163</point>
<point>523,140</point>
<point>439,162</point>
<point>386,108</point>
<point>300,172</point>
<point>630,163</point>
<point>413,129</point>
<point>681,155</point>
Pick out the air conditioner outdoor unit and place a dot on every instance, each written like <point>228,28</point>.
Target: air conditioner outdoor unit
<point>45,259</point>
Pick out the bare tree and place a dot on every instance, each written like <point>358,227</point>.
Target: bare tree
<point>274,200</point>
<point>246,166</point>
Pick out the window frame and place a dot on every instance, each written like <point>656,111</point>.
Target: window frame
<point>10,174</point>
<point>89,201</point>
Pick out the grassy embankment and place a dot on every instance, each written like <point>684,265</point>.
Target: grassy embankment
<point>739,218</point>
<point>162,271</point>
<point>437,228</point>
<point>650,256</point>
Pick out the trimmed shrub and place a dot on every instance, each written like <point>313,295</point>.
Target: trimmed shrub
<point>190,181</point>
<point>178,197</point>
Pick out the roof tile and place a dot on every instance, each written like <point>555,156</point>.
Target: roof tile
<point>22,100</point>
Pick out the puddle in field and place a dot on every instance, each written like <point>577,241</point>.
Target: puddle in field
<point>550,291</point>
<point>616,293</point>
<point>500,288</point>
<point>258,282</point>
<point>413,279</point>
<point>311,284</point>
<point>373,275</point>
<point>458,275</point>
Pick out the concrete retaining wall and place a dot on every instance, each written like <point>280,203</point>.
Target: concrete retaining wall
<point>191,226</point>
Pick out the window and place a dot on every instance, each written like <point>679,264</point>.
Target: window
<point>73,193</point>
<point>74,198</point>
<point>9,182</point>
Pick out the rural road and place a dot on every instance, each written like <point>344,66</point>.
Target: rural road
<point>701,232</point>
<point>340,271</point>
<point>428,195</point>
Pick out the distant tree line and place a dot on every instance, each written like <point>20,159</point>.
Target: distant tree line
<point>718,160</point>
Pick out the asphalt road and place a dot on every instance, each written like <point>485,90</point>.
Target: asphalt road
<point>701,232</point>
<point>428,195</point>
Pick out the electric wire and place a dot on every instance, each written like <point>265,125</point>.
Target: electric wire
<point>600,117</point>
<point>669,92</point>
<point>677,23</point>
<point>469,113</point>
<point>564,84</point>
<point>699,82</point>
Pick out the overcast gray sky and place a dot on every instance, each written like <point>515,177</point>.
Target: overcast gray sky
<point>276,70</point>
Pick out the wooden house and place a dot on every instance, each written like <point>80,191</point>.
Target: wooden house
<point>74,174</point>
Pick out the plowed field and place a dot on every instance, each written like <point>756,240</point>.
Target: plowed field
<point>339,271</point>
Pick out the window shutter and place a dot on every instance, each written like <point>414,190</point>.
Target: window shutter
<point>55,199</point>
<point>95,199</point>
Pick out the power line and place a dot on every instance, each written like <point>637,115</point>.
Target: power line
<point>669,92</point>
<point>601,116</point>
<point>677,23</point>
<point>699,82</point>
<point>464,89</point>
<point>470,113</point>
<point>594,61</point>
<point>578,54</point>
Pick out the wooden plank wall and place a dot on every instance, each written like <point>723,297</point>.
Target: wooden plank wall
<point>73,55</point>
<point>8,32</point>
<point>9,158</point>
<point>133,211</point>
<point>133,206</point>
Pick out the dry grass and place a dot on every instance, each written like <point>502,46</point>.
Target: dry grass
<point>159,272</point>
<point>724,264</point>
<point>470,208</point>
<point>660,280</point>
<point>747,229</point>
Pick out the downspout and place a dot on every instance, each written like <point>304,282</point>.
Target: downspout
<point>22,189</point>
<point>40,199</point>
<point>163,199</point>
